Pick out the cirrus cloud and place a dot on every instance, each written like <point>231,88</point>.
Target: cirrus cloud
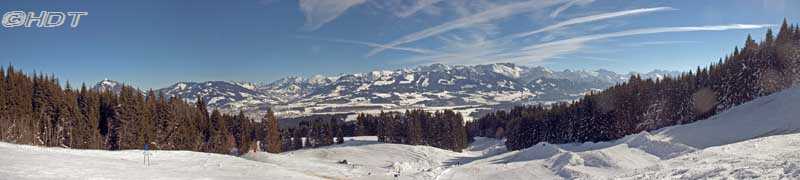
<point>320,12</point>
<point>468,21</point>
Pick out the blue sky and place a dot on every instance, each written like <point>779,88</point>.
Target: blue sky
<point>154,43</point>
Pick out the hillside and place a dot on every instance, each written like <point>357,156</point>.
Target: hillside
<point>664,154</point>
<point>729,145</point>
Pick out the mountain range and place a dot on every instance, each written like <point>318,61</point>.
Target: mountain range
<point>437,86</point>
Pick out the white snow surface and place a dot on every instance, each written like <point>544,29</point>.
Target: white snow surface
<point>30,162</point>
<point>756,140</point>
<point>731,145</point>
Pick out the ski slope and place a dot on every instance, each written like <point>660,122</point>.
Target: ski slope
<point>756,140</point>
<point>732,144</point>
<point>30,162</point>
<point>367,159</point>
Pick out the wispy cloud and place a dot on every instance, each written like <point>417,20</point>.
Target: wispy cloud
<point>370,44</point>
<point>651,43</point>
<point>566,6</point>
<point>483,50</point>
<point>582,39</point>
<point>416,7</point>
<point>591,18</point>
<point>467,21</point>
<point>320,12</point>
<point>538,53</point>
<point>469,49</point>
<point>544,51</point>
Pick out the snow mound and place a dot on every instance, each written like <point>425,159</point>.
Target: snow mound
<point>662,149</point>
<point>706,149</point>
<point>486,146</point>
<point>774,157</point>
<point>535,152</point>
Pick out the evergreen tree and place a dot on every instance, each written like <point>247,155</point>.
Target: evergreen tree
<point>219,134</point>
<point>273,132</point>
<point>203,123</point>
<point>89,105</point>
<point>131,115</point>
<point>5,121</point>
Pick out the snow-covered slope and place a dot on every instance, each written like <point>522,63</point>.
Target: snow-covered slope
<point>367,159</point>
<point>773,157</point>
<point>698,150</point>
<point>756,140</point>
<point>22,162</point>
<point>771,115</point>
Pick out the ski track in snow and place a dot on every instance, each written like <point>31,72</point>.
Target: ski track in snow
<point>756,140</point>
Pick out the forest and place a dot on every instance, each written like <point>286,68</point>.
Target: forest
<point>37,110</point>
<point>757,69</point>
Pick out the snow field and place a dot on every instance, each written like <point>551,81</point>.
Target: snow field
<point>756,140</point>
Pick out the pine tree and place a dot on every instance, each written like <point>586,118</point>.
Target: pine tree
<point>164,127</point>
<point>219,134</point>
<point>203,123</point>
<point>109,121</point>
<point>273,132</point>
<point>414,130</point>
<point>5,123</point>
<point>339,134</point>
<point>245,132</point>
<point>42,111</point>
<point>149,117</point>
<point>330,131</point>
<point>130,114</point>
<point>769,39</point>
<point>74,133</point>
<point>89,104</point>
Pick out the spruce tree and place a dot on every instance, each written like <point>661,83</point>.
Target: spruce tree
<point>5,121</point>
<point>273,132</point>
<point>219,134</point>
<point>203,123</point>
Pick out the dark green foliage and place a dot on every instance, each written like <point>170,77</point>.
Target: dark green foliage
<point>274,143</point>
<point>442,129</point>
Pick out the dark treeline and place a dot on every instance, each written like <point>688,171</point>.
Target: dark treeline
<point>443,129</point>
<point>756,70</point>
<point>316,133</point>
<point>36,110</point>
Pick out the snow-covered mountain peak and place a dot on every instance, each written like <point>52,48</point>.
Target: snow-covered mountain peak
<point>319,79</point>
<point>245,84</point>
<point>437,67</point>
<point>507,69</point>
<point>108,85</point>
